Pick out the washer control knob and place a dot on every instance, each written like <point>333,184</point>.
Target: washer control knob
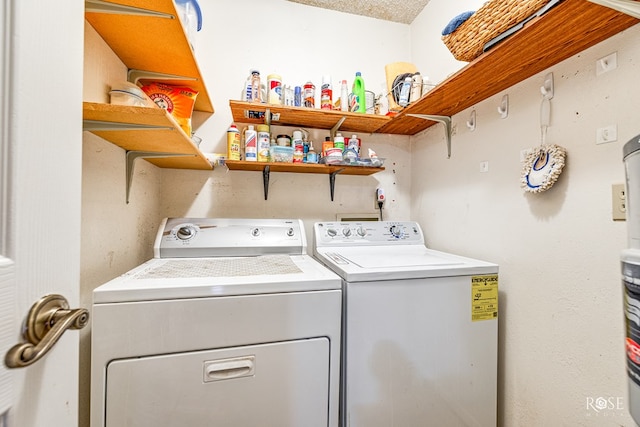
<point>346,231</point>
<point>290,232</point>
<point>332,232</point>
<point>396,231</point>
<point>185,232</point>
<point>255,232</point>
<point>361,231</point>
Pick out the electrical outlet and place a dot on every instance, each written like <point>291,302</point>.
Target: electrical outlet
<point>380,198</point>
<point>618,202</point>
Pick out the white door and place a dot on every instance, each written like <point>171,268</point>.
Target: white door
<point>40,156</point>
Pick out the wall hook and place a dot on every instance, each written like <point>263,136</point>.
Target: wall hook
<point>471,123</point>
<point>547,89</point>
<point>503,108</point>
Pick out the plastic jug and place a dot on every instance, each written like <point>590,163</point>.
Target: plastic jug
<point>191,17</point>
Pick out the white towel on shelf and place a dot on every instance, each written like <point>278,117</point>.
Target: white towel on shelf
<point>630,7</point>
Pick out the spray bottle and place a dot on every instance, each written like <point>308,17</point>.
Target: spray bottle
<point>326,94</point>
<point>344,96</point>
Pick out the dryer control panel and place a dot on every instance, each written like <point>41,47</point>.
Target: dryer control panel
<point>372,233</point>
<point>210,237</point>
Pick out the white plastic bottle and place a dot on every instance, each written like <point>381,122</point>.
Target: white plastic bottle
<point>344,96</point>
<point>404,92</point>
<point>383,100</point>
<point>416,88</point>
<point>250,144</point>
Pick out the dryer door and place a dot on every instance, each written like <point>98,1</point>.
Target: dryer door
<point>278,384</point>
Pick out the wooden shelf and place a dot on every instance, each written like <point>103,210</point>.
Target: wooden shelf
<point>170,138</point>
<point>332,170</point>
<point>243,112</point>
<point>567,29</point>
<point>152,44</point>
<point>302,168</point>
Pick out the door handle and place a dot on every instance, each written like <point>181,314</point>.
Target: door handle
<point>47,320</point>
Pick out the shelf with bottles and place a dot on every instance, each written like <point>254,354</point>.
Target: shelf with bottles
<point>332,170</point>
<point>280,115</point>
<point>148,37</point>
<point>567,29</point>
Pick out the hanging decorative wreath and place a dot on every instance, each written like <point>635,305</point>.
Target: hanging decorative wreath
<point>542,167</point>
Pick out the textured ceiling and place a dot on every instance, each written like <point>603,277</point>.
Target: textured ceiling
<point>403,11</point>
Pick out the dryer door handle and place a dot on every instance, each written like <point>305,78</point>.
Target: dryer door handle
<point>225,369</point>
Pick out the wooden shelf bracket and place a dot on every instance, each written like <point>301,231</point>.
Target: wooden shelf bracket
<point>132,156</point>
<point>99,6</point>
<point>445,120</point>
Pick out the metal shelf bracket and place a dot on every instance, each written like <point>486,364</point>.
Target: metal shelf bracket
<point>99,6</point>
<point>445,120</point>
<point>134,76</point>
<point>332,181</point>
<point>335,128</point>
<point>265,180</point>
<point>132,156</point>
<point>97,125</point>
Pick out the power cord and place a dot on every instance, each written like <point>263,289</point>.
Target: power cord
<point>380,207</point>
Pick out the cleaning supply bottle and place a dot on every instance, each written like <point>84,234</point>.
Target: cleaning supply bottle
<point>233,143</point>
<point>404,92</point>
<point>344,96</point>
<point>263,143</point>
<point>312,156</point>
<point>250,144</point>
<point>358,92</point>
<point>383,101</point>
<point>416,88</point>
<point>326,94</point>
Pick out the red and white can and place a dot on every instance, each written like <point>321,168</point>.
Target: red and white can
<point>309,95</point>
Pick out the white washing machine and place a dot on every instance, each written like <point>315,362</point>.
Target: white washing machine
<point>231,324</point>
<point>420,328</point>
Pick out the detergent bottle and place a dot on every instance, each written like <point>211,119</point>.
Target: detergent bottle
<point>358,93</point>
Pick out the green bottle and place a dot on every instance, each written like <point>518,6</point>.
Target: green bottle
<point>358,93</point>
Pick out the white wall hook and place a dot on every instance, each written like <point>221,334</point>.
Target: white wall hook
<point>547,89</point>
<point>471,123</point>
<point>503,108</point>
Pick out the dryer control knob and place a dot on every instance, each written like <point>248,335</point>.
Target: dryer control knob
<point>396,231</point>
<point>346,231</point>
<point>185,232</point>
<point>290,232</point>
<point>361,231</point>
<point>332,232</point>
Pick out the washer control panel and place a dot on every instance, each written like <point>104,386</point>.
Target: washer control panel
<point>367,232</point>
<point>207,237</point>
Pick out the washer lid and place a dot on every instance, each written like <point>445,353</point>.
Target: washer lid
<point>177,278</point>
<point>374,263</point>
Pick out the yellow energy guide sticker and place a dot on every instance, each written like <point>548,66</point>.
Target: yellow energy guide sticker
<point>484,297</point>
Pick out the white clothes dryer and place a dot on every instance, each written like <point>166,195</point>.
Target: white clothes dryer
<point>230,324</point>
<point>420,328</point>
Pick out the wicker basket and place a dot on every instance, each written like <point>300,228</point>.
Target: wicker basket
<point>492,19</point>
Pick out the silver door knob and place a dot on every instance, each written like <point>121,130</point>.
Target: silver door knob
<point>47,320</point>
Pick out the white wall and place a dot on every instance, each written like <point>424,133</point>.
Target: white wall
<point>561,312</point>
